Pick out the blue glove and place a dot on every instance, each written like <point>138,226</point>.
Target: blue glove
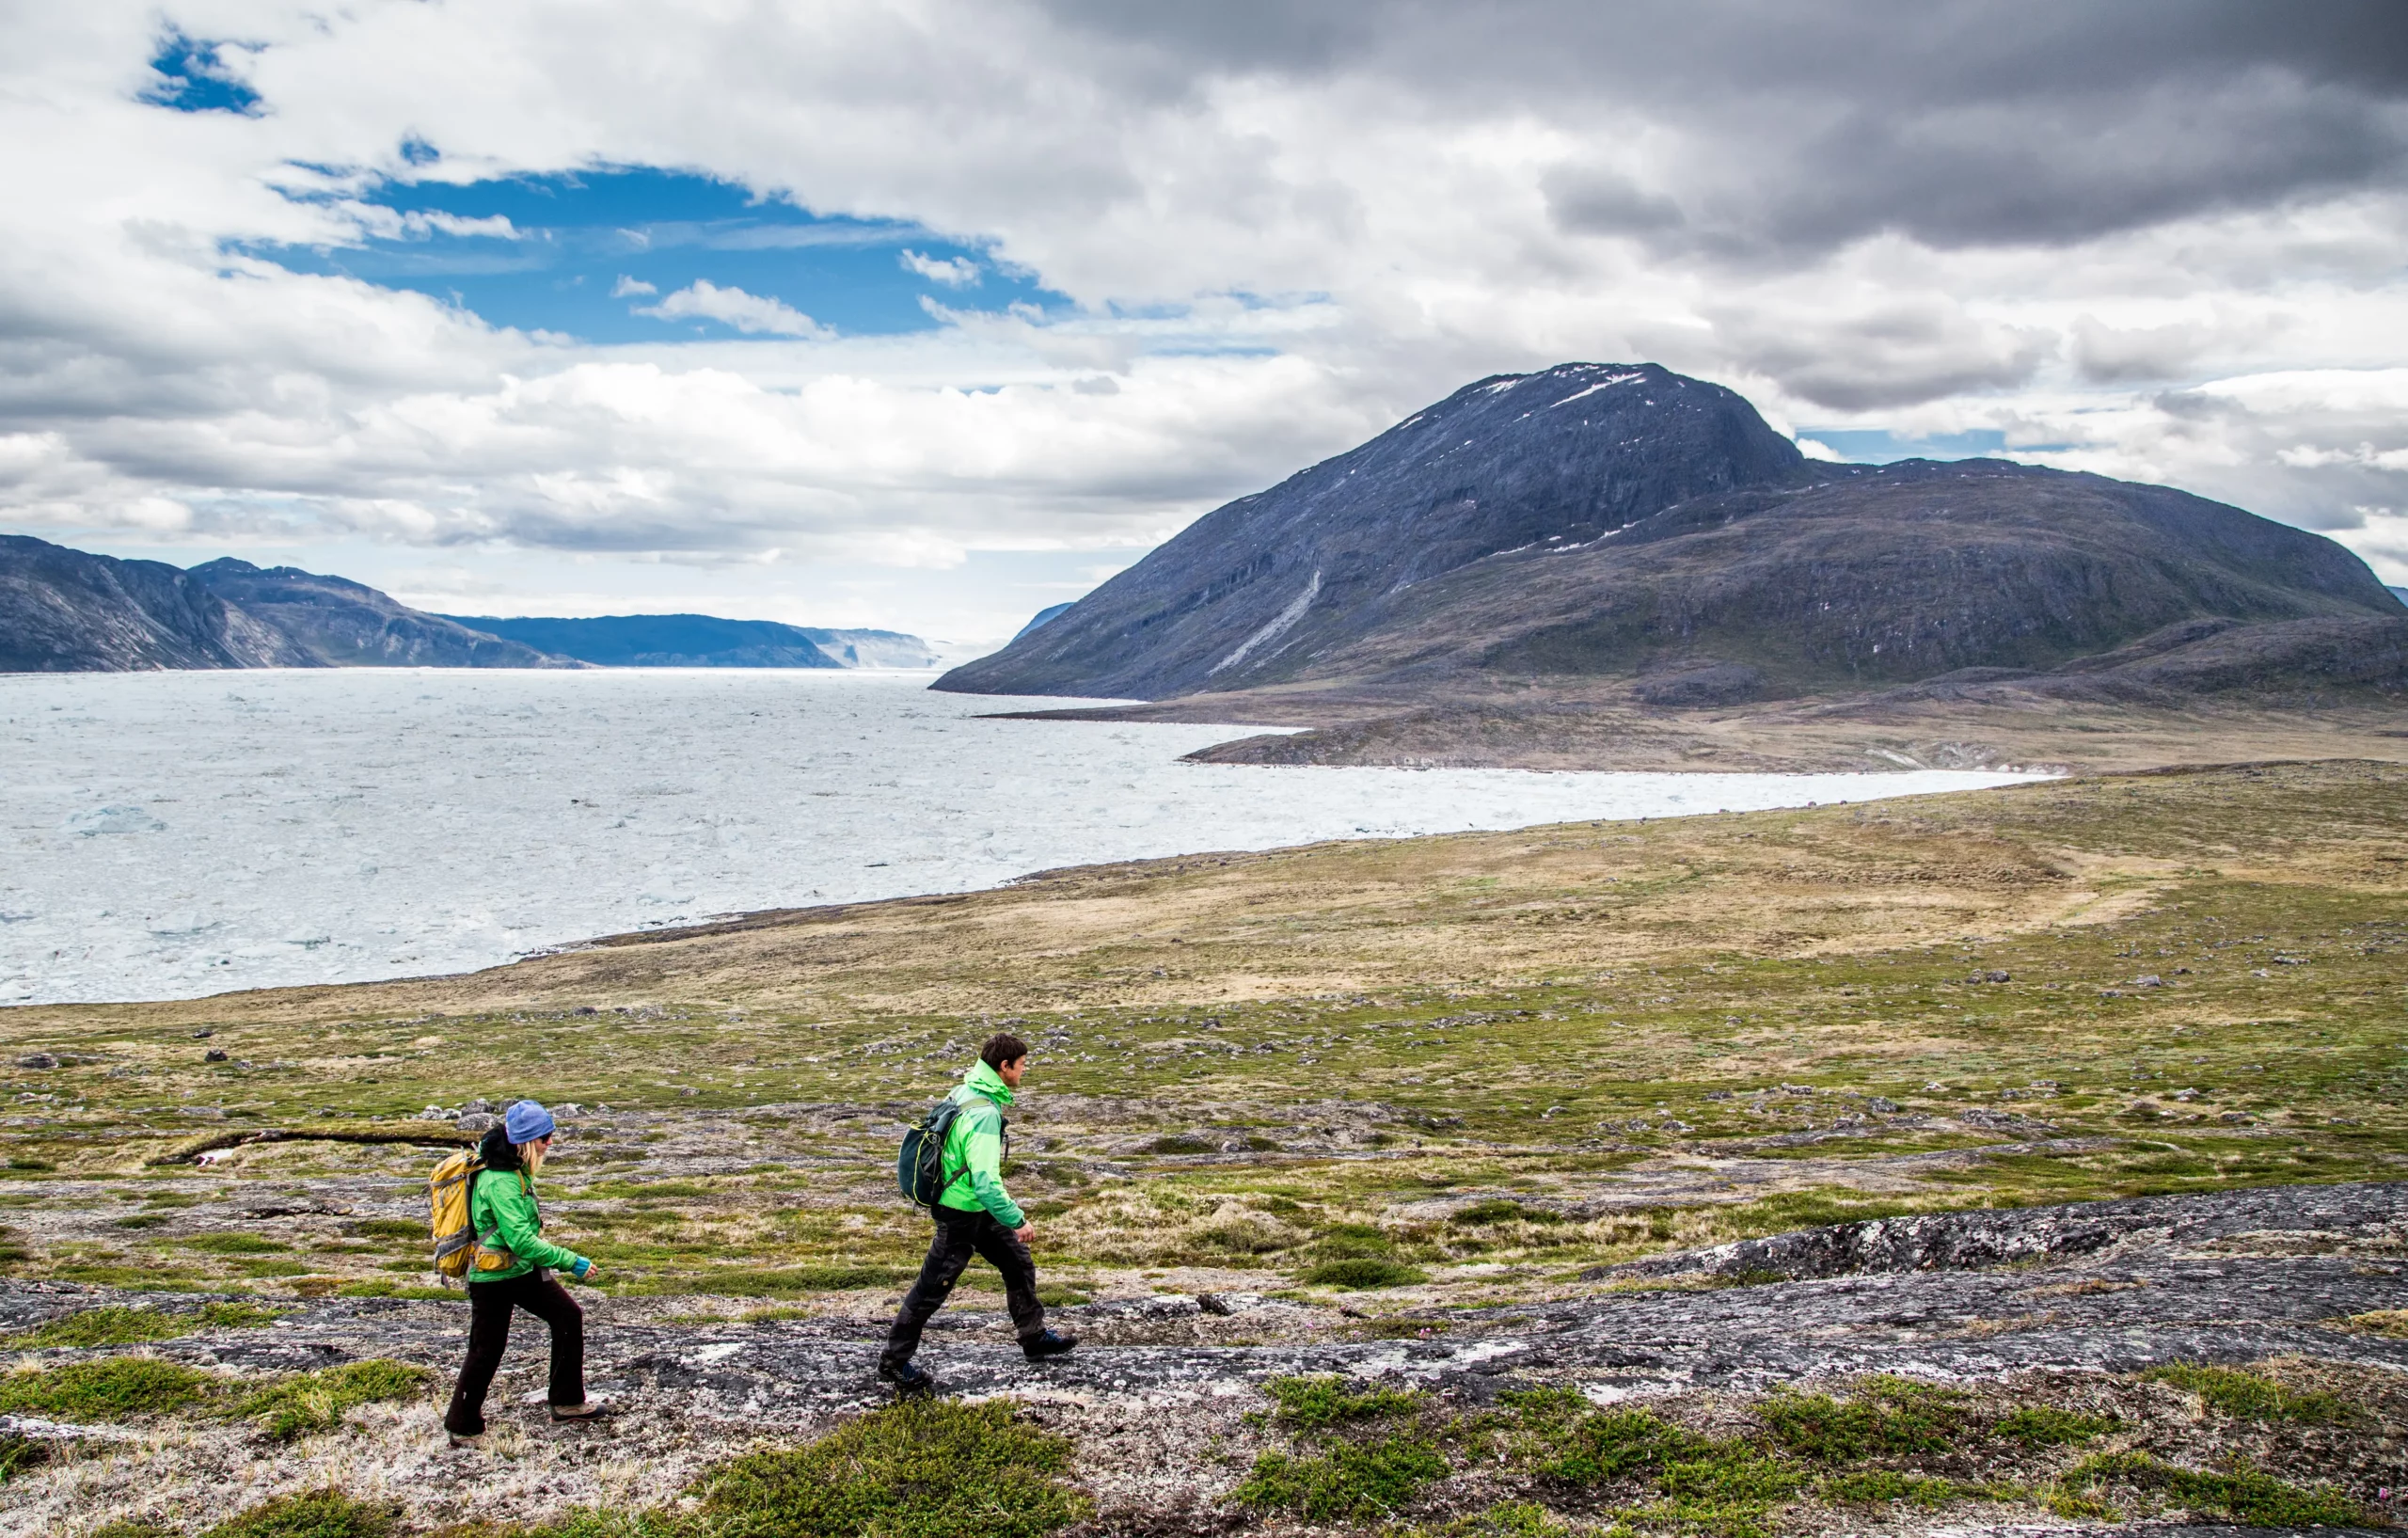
<point>582,1266</point>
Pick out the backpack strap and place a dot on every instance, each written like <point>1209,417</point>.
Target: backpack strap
<point>964,1170</point>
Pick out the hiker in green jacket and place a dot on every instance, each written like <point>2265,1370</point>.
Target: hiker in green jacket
<point>512,1270</point>
<point>975,1216</point>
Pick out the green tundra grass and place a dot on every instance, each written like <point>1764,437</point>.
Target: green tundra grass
<point>1436,1071</point>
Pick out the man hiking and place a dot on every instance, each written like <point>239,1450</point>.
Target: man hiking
<point>974,1214</point>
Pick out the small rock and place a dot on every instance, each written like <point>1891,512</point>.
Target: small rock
<point>2148,979</point>
<point>2259,972</point>
<point>1225,1303</point>
<point>1998,976</point>
<point>1717,1094</point>
<point>2111,993</point>
<point>38,1059</point>
<point>1881,1105</point>
<point>203,1034</point>
<point>435,1113</point>
<point>478,1122</point>
<point>1797,1089</point>
<point>213,1055</point>
<point>475,1106</point>
<point>587,1009</point>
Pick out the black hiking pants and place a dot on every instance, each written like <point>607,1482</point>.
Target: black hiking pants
<point>959,1236</point>
<point>490,1305</point>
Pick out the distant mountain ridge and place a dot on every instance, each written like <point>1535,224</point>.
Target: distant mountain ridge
<point>703,640</point>
<point>662,641</point>
<point>67,611</point>
<point>332,622</point>
<point>1616,521</point>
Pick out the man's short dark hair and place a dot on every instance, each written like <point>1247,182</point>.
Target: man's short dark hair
<point>1001,1048</point>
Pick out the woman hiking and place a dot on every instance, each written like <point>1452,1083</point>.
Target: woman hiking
<point>512,1269</point>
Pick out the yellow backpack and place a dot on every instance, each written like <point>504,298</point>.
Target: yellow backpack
<point>447,1195</point>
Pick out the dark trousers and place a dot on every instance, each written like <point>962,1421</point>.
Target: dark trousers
<point>959,1236</point>
<point>489,1309</point>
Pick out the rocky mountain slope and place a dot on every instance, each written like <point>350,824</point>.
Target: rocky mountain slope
<point>332,622</point>
<point>1247,592</point>
<point>63,611</point>
<point>1618,521</point>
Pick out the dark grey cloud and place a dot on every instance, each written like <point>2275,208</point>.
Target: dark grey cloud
<point>1795,127</point>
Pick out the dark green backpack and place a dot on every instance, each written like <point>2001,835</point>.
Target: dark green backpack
<point>919,1169</point>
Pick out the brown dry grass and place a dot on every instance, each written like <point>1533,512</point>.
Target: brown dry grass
<point>1467,910</point>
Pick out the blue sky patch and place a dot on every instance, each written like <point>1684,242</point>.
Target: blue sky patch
<point>635,254</point>
<point>193,77</point>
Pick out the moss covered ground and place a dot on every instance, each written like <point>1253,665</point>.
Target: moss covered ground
<point>1382,1079</point>
<point>2084,989</point>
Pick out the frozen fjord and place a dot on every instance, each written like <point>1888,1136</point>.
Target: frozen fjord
<point>172,834</point>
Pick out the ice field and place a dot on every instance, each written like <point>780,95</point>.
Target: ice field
<point>170,835</point>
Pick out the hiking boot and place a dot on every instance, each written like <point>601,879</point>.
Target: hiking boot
<point>589,1410</point>
<point>474,1444</point>
<point>1037,1347</point>
<point>908,1381</point>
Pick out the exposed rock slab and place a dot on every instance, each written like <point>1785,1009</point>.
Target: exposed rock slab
<point>2230,1277</point>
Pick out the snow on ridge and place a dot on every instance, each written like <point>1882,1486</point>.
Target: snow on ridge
<point>1280,623</point>
<point>1606,383</point>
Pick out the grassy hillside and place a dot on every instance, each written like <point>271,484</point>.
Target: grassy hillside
<point>1466,1067</point>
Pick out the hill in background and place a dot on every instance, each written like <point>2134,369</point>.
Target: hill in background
<point>1620,522</point>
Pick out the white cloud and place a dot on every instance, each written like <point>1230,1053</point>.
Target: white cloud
<point>1276,237</point>
<point>752,313</point>
<point>626,287</point>
<point>953,272</point>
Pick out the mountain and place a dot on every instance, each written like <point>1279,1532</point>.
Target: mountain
<point>1620,522</point>
<point>701,641</point>
<point>331,622</point>
<point>64,611</point>
<point>1250,591</point>
<point>1043,617</point>
<point>665,640</point>
<point>2401,594</point>
<point>873,648</point>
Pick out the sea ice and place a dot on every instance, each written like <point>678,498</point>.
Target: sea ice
<point>171,834</point>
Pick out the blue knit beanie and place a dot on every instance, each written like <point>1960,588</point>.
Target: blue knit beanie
<point>527,1121</point>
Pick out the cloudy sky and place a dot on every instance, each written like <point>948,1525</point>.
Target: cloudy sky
<point>930,314</point>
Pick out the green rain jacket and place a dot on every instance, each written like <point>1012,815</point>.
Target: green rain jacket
<point>976,1144</point>
<point>502,1210</point>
